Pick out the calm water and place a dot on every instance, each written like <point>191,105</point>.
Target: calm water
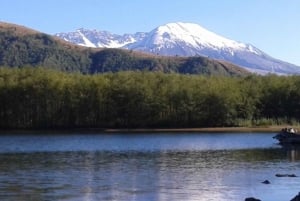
<point>146,167</point>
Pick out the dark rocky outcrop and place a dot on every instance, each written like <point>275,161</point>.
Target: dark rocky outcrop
<point>296,198</point>
<point>285,175</point>
<point>266,182</point>
<point>252,199</point>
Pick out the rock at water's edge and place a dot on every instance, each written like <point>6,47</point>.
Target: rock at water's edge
<point>296,198</point>
<point>266,182</point>
<point>252,199</point>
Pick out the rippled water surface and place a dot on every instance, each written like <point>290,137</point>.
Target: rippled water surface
<point>145,167</point>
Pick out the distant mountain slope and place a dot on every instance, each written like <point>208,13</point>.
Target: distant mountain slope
<point>112,60</point>
<point>20,46</point>
<point>94,38</point>
<point>185,39</point>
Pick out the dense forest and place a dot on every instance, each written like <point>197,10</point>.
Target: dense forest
<point>41,98</point>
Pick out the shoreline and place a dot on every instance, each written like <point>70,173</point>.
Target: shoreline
<point>200,130</point>
<point>146,130</point>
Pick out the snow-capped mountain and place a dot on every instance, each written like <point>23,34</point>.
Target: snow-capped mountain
<point>185,39</point>
<point>94,38</point>
<point>193,36</point>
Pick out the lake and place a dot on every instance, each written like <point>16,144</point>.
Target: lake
<point>146,167</point>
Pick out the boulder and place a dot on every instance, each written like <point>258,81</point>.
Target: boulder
<point>252,199</point>
<point>296,198</point>
<point>285,175</point>
<point>266,182</point>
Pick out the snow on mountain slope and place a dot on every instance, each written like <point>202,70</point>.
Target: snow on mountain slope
<point>94,38</point>
<point>185,39</point>
<point>86,42</point>
<point>192,34</point>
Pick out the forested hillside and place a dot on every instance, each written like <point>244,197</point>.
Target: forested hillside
<point>39,98</point>
<point>20,46</point>
<point>49,83</point>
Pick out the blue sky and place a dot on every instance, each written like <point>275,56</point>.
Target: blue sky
<point>271,25</point>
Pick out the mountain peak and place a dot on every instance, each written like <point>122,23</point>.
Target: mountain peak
<point>195,35</point>
<point>186,39</point>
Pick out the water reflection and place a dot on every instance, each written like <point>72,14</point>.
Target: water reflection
<point>206,167</point>
<point>176,175</point>
<point>292,152</point>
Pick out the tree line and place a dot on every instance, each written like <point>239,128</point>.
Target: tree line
<point>43,98</point>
